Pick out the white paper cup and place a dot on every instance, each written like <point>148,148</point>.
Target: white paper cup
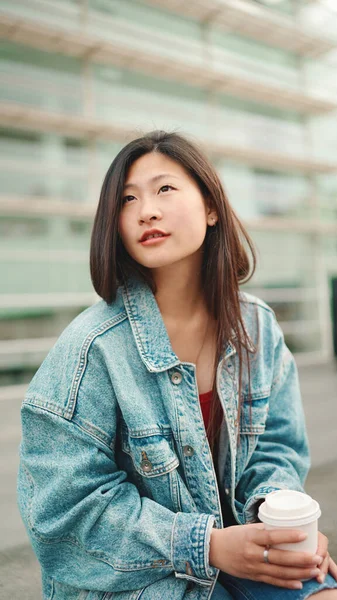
<point>288,509</point>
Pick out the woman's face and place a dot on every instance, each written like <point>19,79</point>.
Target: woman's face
<point>159,194</point>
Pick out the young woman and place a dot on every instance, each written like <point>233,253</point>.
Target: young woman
<point>167,411</point>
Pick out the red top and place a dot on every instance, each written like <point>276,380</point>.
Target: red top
<point>205,403</point>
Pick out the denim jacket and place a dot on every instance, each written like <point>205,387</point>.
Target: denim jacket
<point>117,486</point>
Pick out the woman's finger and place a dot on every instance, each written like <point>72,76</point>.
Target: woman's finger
<point>283,583</point>
<point>333,568</point>
<point>324,568</point>
<point>278,536</point>
<point>289,573</point>
<point>293,559</point>
<point>323,544</point>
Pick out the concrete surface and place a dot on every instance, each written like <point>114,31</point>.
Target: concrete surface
<point>19,570</point>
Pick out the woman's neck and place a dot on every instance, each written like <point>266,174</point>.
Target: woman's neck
<point>179,294</point>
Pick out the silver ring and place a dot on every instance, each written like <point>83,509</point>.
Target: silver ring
<point>265,555</point>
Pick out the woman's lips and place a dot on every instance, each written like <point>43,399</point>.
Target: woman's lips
<point>154,240</point>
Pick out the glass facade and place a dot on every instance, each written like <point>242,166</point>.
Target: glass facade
<point>253,82</point>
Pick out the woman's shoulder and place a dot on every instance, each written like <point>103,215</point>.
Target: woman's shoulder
<point>260,319</point>
<point>251,302</point>
<point>266,335</point>
<point>255,311</point>
<point>67,360</point>
<point>94,318</point>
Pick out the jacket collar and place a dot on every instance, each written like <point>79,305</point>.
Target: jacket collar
<point>149,329</point>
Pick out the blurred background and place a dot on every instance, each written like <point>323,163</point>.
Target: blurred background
<point>254,82</point>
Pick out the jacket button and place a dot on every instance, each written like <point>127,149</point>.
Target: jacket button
<point>176,378</point>
<point>188,450</point>
<point>227,491</point>
<point>146,465</point>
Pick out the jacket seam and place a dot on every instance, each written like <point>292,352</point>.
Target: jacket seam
<point>257,302</point>
<point>172,536</point>
<point>73,422</point>
<point>51,589</point>
<point>285,364</point>
<point>74,540</point>
<point>83,360</point>
<point>47,405</point>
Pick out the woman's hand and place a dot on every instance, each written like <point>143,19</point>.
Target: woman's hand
<point>238,550</point>
<point>328,565</point>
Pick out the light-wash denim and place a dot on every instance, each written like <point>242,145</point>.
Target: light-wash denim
<point>117,487</point>
<point>234,588</point>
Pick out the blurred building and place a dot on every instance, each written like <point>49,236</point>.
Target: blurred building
<point>254,82</point>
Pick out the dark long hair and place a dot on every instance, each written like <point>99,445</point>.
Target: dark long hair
<point>227,246</point>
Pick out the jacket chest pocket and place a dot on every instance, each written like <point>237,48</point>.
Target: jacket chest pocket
<point>253,419</point>
<point>254,413</point>
<point>152,466</point>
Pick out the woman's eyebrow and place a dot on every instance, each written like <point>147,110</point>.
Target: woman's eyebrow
<point>152,180</point>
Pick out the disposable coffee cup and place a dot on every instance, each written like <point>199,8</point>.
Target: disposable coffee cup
<point>288,509</point>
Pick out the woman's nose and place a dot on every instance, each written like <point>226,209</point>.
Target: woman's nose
<point>149,212</point>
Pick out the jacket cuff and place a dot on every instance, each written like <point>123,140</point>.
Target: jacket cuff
<point>190,547</point>
<point>250,509</point>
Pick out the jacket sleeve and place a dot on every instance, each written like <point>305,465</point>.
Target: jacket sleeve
<point>88,525</point>
<point>281,458</point>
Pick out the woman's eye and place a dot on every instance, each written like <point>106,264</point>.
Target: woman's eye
<point>166,186</point>
<point>126,198</point>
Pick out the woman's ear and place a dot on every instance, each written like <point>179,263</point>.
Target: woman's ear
<point>212,217</point>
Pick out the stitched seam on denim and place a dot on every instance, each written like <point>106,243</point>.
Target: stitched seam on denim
<point>256,301</point>
<point>74,423</point>
<point>214,584</point>
<point>126,568</point>
<point>92,435</point>
<point>99,555</point>
<point>83,359</point>
<point>172,537</point>
<point>202,527</point>
<point>171,466</point>
<point>174,404</point>
<point>52,589</point>
<point>164,470</point>
<point>138,338</point>
<point>137,594</point>
<point>47,405</point>
<point>202,582</point>
<point>209,571</point>
<point>72,540</point>
<point>93,430</point>
<point>258,395</point>
<point>174,490</point>
<point>140,433</point>
<point>155,367</point>
<point>258,429</point>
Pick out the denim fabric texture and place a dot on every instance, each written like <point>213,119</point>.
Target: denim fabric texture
<point>116,486</point>
<point>234,588</point>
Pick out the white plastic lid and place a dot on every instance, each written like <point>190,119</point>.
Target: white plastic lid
<point>284,506</point>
